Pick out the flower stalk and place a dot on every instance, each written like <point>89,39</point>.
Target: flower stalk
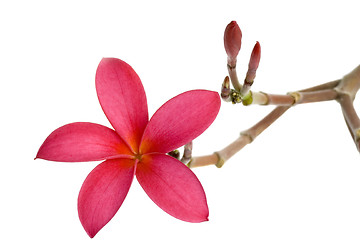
<point>187,153</point>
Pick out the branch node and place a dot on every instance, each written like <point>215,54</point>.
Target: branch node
<point>220,161</point>
<point>267,98</point>
<point>296,96</point>
<point>232,66</point>
<point>357,134</point>
<point>188,164</point>
<point>248,135</point>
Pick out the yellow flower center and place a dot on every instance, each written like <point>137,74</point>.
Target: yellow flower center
<point>138,156</point>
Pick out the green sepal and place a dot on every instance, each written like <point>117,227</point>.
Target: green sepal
<point>247,99</point>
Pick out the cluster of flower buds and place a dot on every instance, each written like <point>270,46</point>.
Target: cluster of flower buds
<point>232,44</point>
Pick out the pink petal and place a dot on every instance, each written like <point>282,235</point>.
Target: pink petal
<point>82,141</point>
<point>180,120</point>
<point>122,97</point>
<point>173,187</point>
<point>103,192</point>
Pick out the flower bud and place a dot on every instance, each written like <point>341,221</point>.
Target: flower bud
<point>253,63</point>
<point>225,89</point>
<point>232,42</point>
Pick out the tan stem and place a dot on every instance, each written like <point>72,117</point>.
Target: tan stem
<point>203,161</point>
<point>347,89</point>
<point>246,137</point>
<point>292,98</point>
<point>275,99</point>
<point>315,96</point>
<point>324,86</point>
<point>350,115</point>
<point>259,127</point>
<point>220,157</point>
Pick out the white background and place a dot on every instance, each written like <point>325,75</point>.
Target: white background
<point>300,179</point>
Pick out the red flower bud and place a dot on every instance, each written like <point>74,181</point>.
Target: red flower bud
<point>225,89</point>
<point>253,63</point>
<point>255,57</point>
<point>232,41</point>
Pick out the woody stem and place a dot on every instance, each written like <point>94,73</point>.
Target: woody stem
<point>233,76</point>
<point>334,90</point>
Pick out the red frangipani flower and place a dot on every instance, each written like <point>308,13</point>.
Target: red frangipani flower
<point>137,147</point>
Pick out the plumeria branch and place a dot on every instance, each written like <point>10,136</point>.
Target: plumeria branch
<point>323,92</point>
<point>343,90</point>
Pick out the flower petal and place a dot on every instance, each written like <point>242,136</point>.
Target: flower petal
<point>180,120</point>
<point>122,97</point>
<point>173,187</point>
<point>82,141</point>
<point>103,192</point>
